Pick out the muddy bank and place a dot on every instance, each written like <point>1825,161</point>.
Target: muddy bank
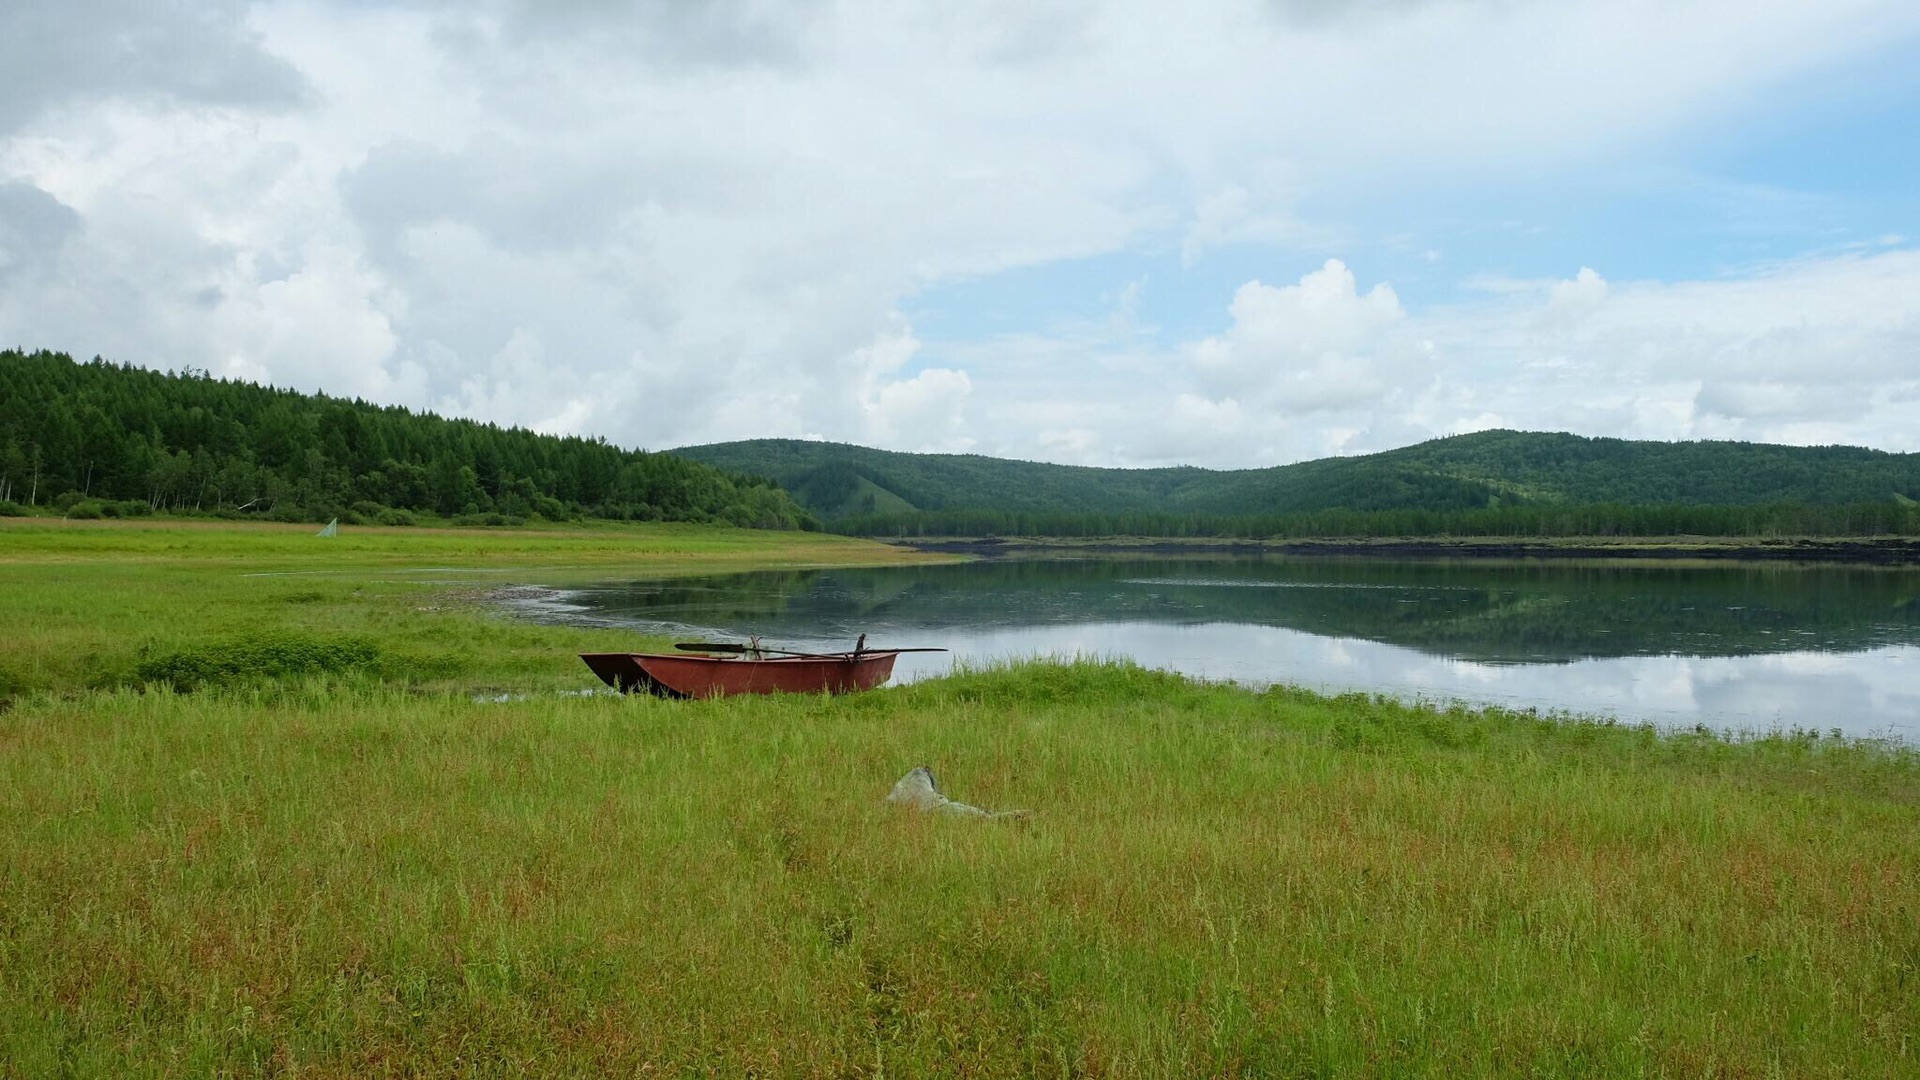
<point>1893,551</point>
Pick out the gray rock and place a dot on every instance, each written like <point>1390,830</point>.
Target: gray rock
<point>917,790</point>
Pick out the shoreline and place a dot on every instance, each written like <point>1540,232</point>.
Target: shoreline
<point>1872,551</point>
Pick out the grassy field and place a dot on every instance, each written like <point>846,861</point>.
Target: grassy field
<point>85,603</point>
<point>358,869</point>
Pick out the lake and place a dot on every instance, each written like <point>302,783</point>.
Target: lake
<point>1731,646</point>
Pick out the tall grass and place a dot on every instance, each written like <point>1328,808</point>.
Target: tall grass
<point>358,881</point>
<point>351,873</point>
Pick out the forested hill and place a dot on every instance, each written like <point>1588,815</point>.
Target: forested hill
<point>1492,481</point>
<point>99,438</point>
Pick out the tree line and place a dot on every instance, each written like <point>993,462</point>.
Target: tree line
<point>1891,518</point>
<point>100,437</point>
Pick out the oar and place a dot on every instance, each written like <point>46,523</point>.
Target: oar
<point>761,650</point>
<point>735,647</point>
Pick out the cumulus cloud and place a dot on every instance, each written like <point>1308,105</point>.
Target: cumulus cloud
<point>1576,298</point>
<point>1315,346</point>
<point>1810,351</point>
<point>1807,350</point>
<point>923,412</point>
<point>316,327</point>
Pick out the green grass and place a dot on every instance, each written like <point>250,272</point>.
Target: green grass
<point>360,870</point>
<point>87,604</point>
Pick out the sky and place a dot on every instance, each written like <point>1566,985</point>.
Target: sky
<point>1228,233</point>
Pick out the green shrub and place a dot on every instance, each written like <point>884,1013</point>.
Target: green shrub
<point>126,508</point>
<point>278,656</point>
<point>395,517</point>
<point>85,511</point>
<point>9,508</point>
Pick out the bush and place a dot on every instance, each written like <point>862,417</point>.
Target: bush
<point>274,657</point>
<point>489,519</point>
<point>125,508</point>
<point>395,517</point>
<point>9,508</point>
<point>85,511</point>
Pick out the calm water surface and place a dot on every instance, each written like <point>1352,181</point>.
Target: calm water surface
<point>1730,646</point>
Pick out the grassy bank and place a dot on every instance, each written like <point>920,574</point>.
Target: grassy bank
<point>367,872</point>
<point>87,603</point>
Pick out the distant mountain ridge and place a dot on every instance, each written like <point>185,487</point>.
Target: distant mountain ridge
<point>1485,470</point>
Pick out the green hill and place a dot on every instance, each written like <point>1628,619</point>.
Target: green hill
<point>1493,481</point>
<point>99,439</point>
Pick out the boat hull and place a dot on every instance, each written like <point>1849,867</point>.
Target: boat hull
<point>717,676</point>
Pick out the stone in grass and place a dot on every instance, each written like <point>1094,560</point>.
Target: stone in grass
<point>917,790</point>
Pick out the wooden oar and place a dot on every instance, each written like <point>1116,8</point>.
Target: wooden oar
<point>735,647</point>
<point>732,647</point>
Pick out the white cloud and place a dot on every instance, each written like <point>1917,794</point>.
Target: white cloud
<point>1233,216</point>
<point>33,227</point>
<point>1756,357</point>
<point>1317,346</point>
<point>1774,402</point>
<point>669,224</point>
<point>1579,297</point>
<point>924,413</point>
<point>57,54</point>
<point>1807,352</point>
<point>316,326</point>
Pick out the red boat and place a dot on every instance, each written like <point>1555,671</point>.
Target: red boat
<point>749,670</point>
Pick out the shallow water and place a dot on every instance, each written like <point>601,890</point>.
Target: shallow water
<point>1747,646</point>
